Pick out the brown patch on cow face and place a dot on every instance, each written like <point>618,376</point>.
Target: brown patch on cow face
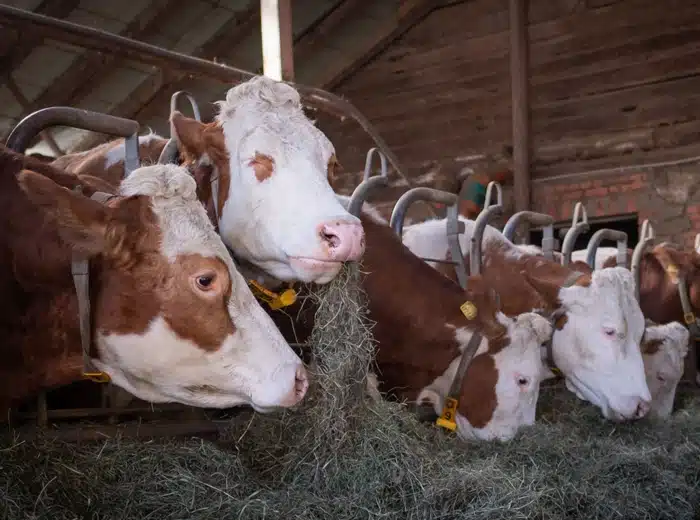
<point>652,346</point>
<point>478,400</point>
<point>197,142</point>
<point>199,292</point>
<point>561,321</point>
<point>335,169</point>
<point>263,165</point>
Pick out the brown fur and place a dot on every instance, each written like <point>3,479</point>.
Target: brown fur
<point>93,161</point>
<point>264,166</point>
<point>130,280</point>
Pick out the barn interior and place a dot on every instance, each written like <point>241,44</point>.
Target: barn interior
<point>590,101</point>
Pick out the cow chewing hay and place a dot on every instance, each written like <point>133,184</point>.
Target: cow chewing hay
<point>342,456</point>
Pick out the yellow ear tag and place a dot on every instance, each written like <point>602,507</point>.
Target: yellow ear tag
<point>96,377</point>
<point>672,271</point>
<point>449,412</point>
<point>285,299</point>
<point>468,309</point>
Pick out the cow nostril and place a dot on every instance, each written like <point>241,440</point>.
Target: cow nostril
<point>330,237</point>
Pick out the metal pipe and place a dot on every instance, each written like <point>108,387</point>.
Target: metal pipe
<point>646,238</point>
<point>577,228</point>
<point>489,212</point>
<point>359,195</point>
<point>454,226</point>
<point>546,222</point>
<point>421,193</point>
<point>193,103</point>
<point>22,134</point>
<point>697,242</point>
<point>102,41</point>
<point>607,234</point>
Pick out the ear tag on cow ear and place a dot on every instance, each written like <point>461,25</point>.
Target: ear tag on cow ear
<point>672,271</point>
<point>469,310</point>
<point>449,412</point>
<point>97,377</point>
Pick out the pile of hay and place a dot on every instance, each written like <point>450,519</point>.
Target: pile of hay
<point>343,457</point>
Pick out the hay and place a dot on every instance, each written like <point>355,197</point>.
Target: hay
<point>341,456</point>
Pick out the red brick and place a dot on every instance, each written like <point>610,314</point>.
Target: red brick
<point>597,192</point>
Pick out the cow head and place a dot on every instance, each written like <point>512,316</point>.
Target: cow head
<point>275,205</point>
<point>502,383</point>
<point>596,341</point>
<point>664,349</point>
<point>173,318</point>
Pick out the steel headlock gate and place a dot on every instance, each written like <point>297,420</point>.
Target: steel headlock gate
<point>579,226</point>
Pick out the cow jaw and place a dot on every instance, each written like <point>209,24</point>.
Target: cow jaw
<point>598,349</point>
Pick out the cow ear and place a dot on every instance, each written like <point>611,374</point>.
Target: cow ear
<point>81,221</point>
<point>546,288</point>
<point>189,134</point>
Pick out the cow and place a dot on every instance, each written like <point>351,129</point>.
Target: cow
<point>172,319</point>
<point>421,332</point>
<point>598,322</point>
<point>269,168</point>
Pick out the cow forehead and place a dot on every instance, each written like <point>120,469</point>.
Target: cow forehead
<point>183,221</point>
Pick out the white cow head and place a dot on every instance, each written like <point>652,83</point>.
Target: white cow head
<point>501,385</point>
<point>664,348</point>
<point>275,205</point>
<point>173,318</point>
<point>597,347</point>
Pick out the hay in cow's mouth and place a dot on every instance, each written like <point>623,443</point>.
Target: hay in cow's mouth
<point>344,457</point>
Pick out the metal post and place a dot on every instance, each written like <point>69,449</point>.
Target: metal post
<point>607,234</point>
<point>546,222</point>
<point>579,225</point>
<point>646,238</point>
<point>454,226</point>
<point>358,197</point>
<point>490,212</point>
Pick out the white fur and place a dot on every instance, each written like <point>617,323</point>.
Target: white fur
<point>516,403</point>
<point>254,365</point>
<point>664,368</point>
<point>274,224</point>
<point>608,372</point>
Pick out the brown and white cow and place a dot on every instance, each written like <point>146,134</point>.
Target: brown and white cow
<point>172,319</point>
<point>275,207</point>
<point>596,346</point>
<point>421,331</point>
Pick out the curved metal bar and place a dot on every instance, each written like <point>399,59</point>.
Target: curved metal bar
<point>359,195</point>
<point>113,44</point>
<point>697,242</point>
<point>169,153</point>
<point>421,193</point>
<point>384,172</point>
<point>30,126</point>
<point>546,222</point>
<point>493,185</point>
<point>489,212</point>
<point>577,228</point>
<point>646,238</point>
<point>195,107</point>
<point>454,226</point>
<point>607,234</point>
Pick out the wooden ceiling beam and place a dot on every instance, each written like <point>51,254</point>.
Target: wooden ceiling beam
<point>153,95</point>
<point>85,72</point>
<point>15,48</point>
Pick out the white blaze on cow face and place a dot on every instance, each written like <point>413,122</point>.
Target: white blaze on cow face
<point>280,212</point>
<point>188,268</point>
<point>598,347</point>
<point>664,350</point>
<point>519,370</point>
